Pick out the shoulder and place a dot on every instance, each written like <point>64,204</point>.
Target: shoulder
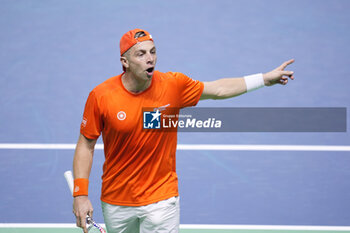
<point>180,79</point>
<point>176,74</point>
<point>171,76</point>
<point>183,79</point>
<point>106,87</point>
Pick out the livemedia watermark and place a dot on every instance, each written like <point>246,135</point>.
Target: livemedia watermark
<point>198,119</point>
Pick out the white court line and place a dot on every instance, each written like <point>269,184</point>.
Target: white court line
<point>266,227</point>
<point>225,147</point>
<point>262,147</point>
<point>38,225</point>
<point>194,147</point>
<point>193,226</point>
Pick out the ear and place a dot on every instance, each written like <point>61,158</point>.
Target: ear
<point>125,62</point>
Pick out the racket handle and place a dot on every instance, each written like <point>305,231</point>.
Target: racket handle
<point>70,181</point>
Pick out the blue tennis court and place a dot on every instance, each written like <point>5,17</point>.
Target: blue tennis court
<point>55,52</point>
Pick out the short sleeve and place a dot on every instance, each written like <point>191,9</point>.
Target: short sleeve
<point>190,90</point>
<point>91,124</point>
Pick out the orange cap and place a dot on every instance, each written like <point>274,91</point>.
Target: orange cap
<point>128,39</point>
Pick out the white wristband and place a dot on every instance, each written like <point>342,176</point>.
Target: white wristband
<point>254,81</point>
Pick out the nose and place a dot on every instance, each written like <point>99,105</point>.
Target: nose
<point>150,58</point>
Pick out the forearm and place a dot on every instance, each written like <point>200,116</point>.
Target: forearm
<point>224,88</point>
<point>83,157</point>
<point>82,163</point>
<point>231,87</point>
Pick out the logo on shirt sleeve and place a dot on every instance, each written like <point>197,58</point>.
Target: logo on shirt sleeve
<point>84,122</point>
<point>151,120</point>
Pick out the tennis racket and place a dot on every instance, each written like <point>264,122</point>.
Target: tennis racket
<point>92,226</point>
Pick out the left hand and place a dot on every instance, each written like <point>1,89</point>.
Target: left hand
<point>279,75</point>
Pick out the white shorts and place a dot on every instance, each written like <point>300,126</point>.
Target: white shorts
<point>160,217</point>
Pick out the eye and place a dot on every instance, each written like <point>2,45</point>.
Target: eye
<point>139,53</point>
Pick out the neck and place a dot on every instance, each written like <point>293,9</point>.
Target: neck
<point>133,84</point>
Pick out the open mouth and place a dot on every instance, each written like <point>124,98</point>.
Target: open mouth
<point>150,70</point>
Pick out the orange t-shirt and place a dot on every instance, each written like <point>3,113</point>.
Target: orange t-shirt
<point>140,165</point>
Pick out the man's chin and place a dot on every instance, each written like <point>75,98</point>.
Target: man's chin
<point>149,74</point>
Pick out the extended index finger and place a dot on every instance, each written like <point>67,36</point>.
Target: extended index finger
<point>83,225</point>
<point>81,222</point>
<point>285,64</point>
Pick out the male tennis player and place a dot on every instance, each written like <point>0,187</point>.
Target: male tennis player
<point>139,182</point>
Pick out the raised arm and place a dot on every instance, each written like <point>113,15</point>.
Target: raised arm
<point>231,87</point>
<point>82,163</point>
